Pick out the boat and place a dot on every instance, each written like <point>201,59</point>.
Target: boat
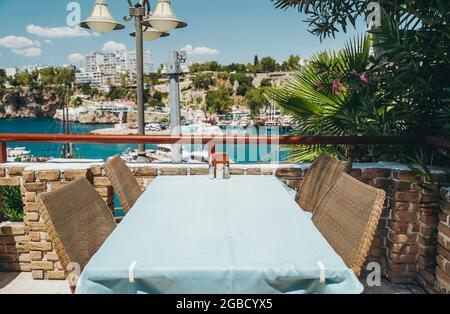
<point>202,129</point>
<point>163,154</point>
<point>17,152</point>
<point>165,151</point>
<point>153,127</point>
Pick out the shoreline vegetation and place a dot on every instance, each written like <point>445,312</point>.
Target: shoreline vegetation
<point>214,89</point>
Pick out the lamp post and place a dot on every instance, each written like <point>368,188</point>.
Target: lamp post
<point>148,26</point>
<point>174,71</point>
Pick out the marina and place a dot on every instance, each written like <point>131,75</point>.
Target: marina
<point>191,153</point>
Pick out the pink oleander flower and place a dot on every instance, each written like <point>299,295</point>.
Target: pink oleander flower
<point>363,78</point>
<point>354,72</point>
<point>337,86</point>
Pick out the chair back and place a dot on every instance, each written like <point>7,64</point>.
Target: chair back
<point>320,177</point>
<point>123,182</point>
<point>348,217</point>
<point>77,221</point>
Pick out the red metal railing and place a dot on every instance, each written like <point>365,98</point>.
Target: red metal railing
<point>216,140</point>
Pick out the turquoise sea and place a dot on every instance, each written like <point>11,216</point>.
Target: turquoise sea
<point>239,153</point>
<point>50,126</point>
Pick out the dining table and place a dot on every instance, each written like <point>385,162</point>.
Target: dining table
<point>194,235</point>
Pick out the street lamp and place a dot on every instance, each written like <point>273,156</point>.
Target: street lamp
<point>149,26</point>
<point>163,18</point>
<point>101,20</point>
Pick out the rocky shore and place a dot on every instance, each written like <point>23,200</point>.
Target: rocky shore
<point>30,103</point>
<point>98,117</point>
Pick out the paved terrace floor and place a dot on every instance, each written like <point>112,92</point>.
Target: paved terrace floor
<point>22,283</point>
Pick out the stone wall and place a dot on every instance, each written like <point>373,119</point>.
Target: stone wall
<point>14,247</point>
<point>405,244</point>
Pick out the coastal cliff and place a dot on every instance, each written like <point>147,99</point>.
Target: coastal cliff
<point>45,103</point>
<point>30,103</point>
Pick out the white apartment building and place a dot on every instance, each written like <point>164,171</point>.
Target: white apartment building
<point>105,68</point>
<point>93,78</point>
<point>131,62</point>
<point>11,71</point>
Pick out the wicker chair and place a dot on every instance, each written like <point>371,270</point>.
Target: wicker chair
<point>123,182</point>
<point>320,177</point>
<point>78,223</point>
<point>348,217</point>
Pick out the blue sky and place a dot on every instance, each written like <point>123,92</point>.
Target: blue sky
<point>227,31</point>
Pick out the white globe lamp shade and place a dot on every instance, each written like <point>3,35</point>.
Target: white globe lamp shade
<point>163,18</point>
<point>151,34</point>
<point>101,20</point>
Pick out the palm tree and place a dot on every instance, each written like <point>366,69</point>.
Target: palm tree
<point>334,94</point>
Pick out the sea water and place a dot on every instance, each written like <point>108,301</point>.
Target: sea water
<point>238,153</point>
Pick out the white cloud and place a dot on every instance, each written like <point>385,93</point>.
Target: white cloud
<point>57,32</point>
<point>75,58</point>
<point>48,41</point>
<point>200,51</point>
<point>28,52</point>
<point>113,46</point>
<point>16,42</point>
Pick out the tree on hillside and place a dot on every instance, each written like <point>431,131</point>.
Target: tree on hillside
<point>256,101</point>
<point>119,92</point>
<point>203,80</point>
<point>156,100</point>
<point>65,76</point>
<point>152,78</point>
<point>56,76</point>
<point>256,61</point>
<point>293,61</point>
<point>76,102</point>
<point>212,66</point>
<point>245,82</point>
<point>268,64</point>
<point>223,76</point>
<point>25,78</point>
<point>47,76</point>
<point>236,67</point>
<point>86,89</point>
<point>124,78</point>
<point>267,82</point>
<point>160,68</point>
<point>3,78</point>
<point>219,101</point>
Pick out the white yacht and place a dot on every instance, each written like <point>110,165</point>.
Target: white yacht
<point>17,152</point>
<point>153,127</point>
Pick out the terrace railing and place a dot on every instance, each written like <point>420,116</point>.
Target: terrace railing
<point>212,141</point>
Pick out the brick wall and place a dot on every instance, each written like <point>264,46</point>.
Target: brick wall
<point>1,201</point>
<point>443,248</point>
<point>405,243</point>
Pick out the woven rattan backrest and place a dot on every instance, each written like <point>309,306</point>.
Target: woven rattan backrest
<point>348,217</point>
<point>77,220</point>
<point>320,177</point>
<point>123,182</point>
